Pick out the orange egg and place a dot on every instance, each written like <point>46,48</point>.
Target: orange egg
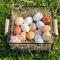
<point>30,35</point>
<point>33,27</point>
<point>17,30</point>
<point>23,36</point>
<point>46,20</point>
<point>46,28</point>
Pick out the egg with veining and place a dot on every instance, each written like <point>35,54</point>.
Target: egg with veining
<point>47,36</point>
<point>17,30</point>
<point>25,28</point>
<point>15,39</point>
<point>38,16</point>
<point>46,28</point>
<point>39,24</point>
<point>28,20</point>
<point>23,36</point>
<point>46,20</point>
<point>38,39</point>
<point>30,35</point>
<point>19,21</point>
<point>33,27</point>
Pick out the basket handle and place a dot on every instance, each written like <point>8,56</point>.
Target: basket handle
<point>55,25</point>
<point>6,26</point>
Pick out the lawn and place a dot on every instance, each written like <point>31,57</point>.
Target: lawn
<point>6,54</point>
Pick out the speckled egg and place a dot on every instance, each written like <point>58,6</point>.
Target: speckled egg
<point>47,36</point>
<point>46,28</point>
<point>30,35</point>
<point>38,16</point>
<point>25,28</point>
<point>19,21</point>
<point>38,39</point>
<point>28,20</point>
<point>17,30</point>
<point>39,24</point>
<point>47,20</point>
<point>33,27</point>
<point>23,36</point>
<point>15,39</point>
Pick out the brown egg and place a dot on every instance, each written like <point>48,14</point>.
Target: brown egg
<point>30,35</point>
<point>23,36</point>
<point>46,28</point>
<point>46,20</point>
<point>17,30</point>
<point>38,32</point>
<point>33,27</point>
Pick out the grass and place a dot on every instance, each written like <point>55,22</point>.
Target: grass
<point>6,54</point>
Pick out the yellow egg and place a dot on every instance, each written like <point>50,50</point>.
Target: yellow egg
<point>23,36</point>
<point>30,35</point>
<point>33,27</point>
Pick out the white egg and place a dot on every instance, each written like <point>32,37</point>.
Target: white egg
<point>47,36</point>
<point>25,27</point>
<point>28,20</point>
<point>39,24</point>
<point>38,39</point>
<point>15,39</point>
<point>38,16</point>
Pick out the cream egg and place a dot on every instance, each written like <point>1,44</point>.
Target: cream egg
<point>33,27</point>
<point>38,39</point>
<point>15,39</point>
<point>25,28</point>
<point>47,36</point>
<point>39,24</point>
<point>28,20</point>
<point>19,21</point>
<point>38,16</point>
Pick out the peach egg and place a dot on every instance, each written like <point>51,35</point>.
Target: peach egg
<point>17,30</point>
<point>46,28</point>
<point>30,35</point>
<point>33,27</point>
<point>46,20</point>
<point>19,21</point>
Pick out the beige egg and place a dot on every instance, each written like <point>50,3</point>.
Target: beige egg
<point>19,21</point>
<point>30,35</point>
<point>38,32</point>
<point>23,36</point>
<point>47,36</point>
<point>33,27</point>
<point>46,28</point>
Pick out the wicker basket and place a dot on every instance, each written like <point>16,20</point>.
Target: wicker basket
<point>28,11</point>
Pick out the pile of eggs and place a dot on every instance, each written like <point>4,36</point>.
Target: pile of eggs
<point>36,28</point>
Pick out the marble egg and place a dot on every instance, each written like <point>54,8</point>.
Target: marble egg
<point>46,28</point>
<point>33,27</point>
<point>30,35</point>
<point>39,24</point>
<point>47,36</point>
<point>46,20</point>
<point>17,30</point>
<point>25,28</point>
<point>19,21</point>
<point>15,39</point>
<point>38,16</point>
<point>23,36</point>
<point>28,20</point>
<point>38,32</point>
<point>39,39</point>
